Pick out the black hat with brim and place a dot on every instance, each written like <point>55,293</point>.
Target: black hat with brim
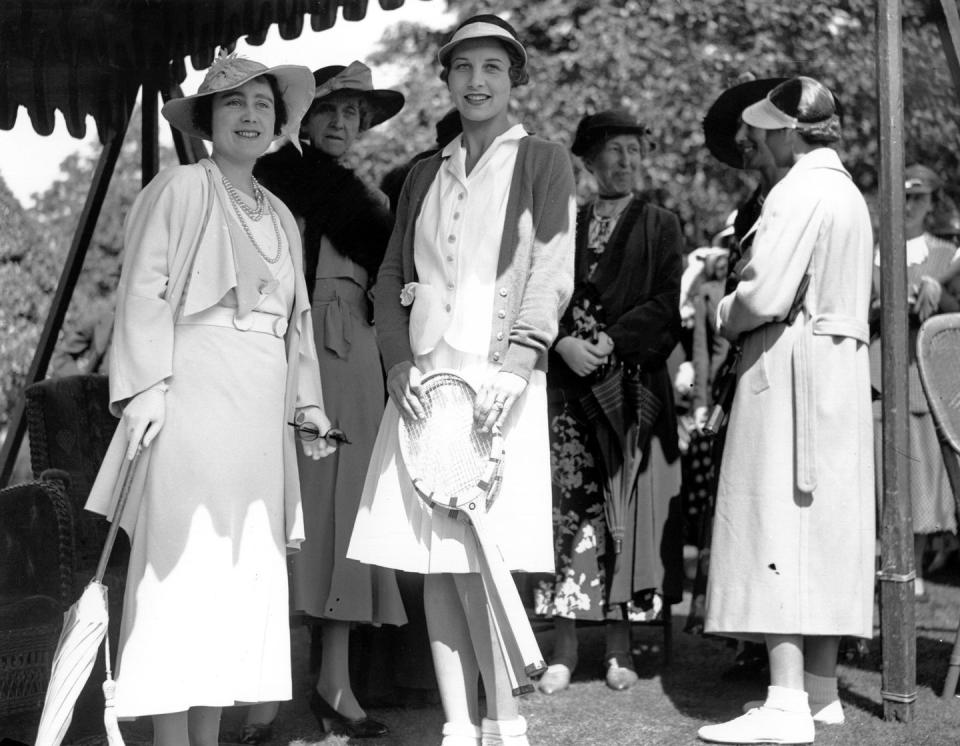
<point>722,121</point>
<point>596,128</point>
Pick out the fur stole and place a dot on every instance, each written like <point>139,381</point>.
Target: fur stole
<point>333,202</point>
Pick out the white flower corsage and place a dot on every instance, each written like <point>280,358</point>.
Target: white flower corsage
<point>408,293</point>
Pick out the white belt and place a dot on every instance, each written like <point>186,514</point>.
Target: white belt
<point>255,321</point>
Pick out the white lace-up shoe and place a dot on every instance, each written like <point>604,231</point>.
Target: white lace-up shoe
<point>762,725</point>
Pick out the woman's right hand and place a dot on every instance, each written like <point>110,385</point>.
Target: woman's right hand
<point>143,418</point>
<point>403,385</point>
<point>581,356</point>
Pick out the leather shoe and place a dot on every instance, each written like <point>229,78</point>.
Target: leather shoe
<point>256,733</point>
<point>555,679</point>
<point>621,674</point>
<point>333,722</point>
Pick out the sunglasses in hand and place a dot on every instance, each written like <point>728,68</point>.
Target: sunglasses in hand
<point>309,432</point>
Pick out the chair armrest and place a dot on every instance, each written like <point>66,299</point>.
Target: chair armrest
<point>37,555</point>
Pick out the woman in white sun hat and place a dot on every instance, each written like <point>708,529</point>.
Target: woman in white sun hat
<point>792,559</point>
<point>213,355</point>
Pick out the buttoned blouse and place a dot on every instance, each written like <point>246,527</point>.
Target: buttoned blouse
<point>458,236</point>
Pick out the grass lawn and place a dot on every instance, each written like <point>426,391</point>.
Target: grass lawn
<point>667,706</point>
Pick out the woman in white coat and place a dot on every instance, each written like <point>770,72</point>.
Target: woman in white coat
<point>212,355</point>
<point>793,548</point>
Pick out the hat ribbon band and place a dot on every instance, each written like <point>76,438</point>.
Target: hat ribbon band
<point>356,76</point>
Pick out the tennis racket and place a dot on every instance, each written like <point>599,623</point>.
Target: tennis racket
<point>457,469</point>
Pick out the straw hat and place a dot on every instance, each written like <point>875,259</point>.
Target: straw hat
<point>356,79</point>
<point>230,72</point>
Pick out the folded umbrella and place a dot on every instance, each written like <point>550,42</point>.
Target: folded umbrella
<point>623,411</point>
<point>84,629</point>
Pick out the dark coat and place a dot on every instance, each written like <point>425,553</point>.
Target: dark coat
<point>637,282</point>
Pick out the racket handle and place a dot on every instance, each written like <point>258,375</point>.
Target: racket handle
<point>515,670</point>
<point>505,601</point>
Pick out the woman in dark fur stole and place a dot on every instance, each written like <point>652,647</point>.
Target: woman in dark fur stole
<point>346,227</point>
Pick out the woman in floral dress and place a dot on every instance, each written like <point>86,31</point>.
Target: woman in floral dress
<point>624,320</point>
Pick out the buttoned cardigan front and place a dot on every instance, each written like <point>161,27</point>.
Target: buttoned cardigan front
<point>534,266</point>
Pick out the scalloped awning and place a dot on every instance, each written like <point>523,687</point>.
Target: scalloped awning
<point>89,57</point>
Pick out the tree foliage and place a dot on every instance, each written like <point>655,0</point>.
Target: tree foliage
<point>26,267</point>
<point>667,61</point>
<point>664,60</point>
<point>34,244</point>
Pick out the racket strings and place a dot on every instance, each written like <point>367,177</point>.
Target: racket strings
<point>448,458</point>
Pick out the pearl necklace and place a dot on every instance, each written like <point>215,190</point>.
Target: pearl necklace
<point>254,213</point>
<point>240,208</point>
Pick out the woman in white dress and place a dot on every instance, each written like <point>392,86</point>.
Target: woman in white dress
<point>213,355</point>
<point>483,247</point>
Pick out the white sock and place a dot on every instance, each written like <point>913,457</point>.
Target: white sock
<point>515,727</point>
<point>788,700</point>
<point>821,690</point>
<point>461,730</point>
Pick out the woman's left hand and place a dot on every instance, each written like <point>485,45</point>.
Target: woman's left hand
<point>496,398</point>
<point>604,344</point>
<point>321,447</point>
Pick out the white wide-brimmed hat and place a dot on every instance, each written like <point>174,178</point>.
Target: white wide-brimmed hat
<point>231,71</point>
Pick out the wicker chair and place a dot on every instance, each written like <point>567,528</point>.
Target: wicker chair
<point>36,587</point>
<point>938,360</point>
<point>70,427</point>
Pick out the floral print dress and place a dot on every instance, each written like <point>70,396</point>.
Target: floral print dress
<point>582,545</point>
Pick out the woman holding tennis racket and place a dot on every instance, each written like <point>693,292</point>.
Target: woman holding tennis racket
<point>477,273</point>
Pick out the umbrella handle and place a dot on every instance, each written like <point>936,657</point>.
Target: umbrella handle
<point>125,479</point>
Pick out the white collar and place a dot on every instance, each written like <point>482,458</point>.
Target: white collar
<point>516,132</point>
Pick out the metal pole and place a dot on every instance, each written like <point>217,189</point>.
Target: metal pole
<point>898,629</point>
<point>150,137</point>
<point>61,298</point>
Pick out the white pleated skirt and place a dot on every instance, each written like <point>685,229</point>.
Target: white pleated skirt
<point>395,528</point>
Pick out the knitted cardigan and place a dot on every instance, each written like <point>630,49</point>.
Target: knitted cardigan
<point>534,269</point>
